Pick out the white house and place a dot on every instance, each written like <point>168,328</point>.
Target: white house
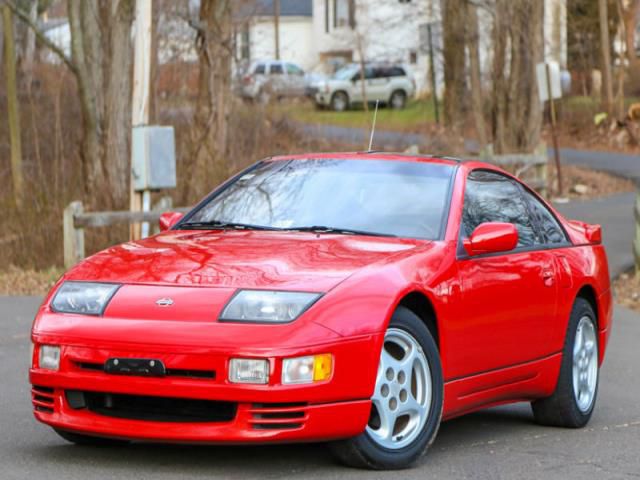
<point>256,32</point>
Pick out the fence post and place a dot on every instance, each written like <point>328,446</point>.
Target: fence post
<point>73,237</point>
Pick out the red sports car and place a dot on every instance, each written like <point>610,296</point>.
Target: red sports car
<point>356,298</point>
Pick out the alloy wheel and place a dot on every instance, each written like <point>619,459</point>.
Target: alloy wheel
<point>402,398</point>
<point>585,364</point>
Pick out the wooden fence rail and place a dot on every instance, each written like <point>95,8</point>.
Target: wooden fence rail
<point>75,220</point>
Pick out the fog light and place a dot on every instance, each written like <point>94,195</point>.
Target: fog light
<point>309,369</point>
<point>49,358</point>
<point>246,370</point>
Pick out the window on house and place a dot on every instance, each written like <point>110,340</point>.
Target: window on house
<point>413,57</point>
<point>341,13</point>
<point>326,16</point>
<point>245,44</point>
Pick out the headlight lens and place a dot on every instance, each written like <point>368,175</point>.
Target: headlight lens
<point>86,298</point>
<point>267,306</point>
<point>49,357</point>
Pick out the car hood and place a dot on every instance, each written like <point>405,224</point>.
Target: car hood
<point>240,259</point>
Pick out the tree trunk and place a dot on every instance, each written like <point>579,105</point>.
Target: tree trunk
<point>363,67</point>
<point>453,22</point>
<point>475,74</point>
<point>517,113</point>
<point>605,47</point>
<point>12,106</point>
<point>209,136</point>
<point>102,54</point>
<point>630,16</point>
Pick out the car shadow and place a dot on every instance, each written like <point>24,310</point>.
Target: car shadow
<point>486,426</point>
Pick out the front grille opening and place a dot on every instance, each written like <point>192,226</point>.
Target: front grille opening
<point>276,426</point>
<point>156,409</point>
<point>40,408</point>
<point>171,372</point>
<point>41,398</point>
<point>275,415</point>
<point>39,389</point>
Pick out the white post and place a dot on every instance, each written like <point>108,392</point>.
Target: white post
<point>141,88</point>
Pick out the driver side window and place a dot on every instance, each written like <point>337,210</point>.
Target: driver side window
<point>491,197</point>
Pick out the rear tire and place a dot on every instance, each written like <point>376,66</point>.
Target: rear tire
<point>574,399</point>
<point>339,101</point>
<point>88,440</point>
<point>413,394</point>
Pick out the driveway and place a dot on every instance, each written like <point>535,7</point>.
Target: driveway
<point>493,444</point>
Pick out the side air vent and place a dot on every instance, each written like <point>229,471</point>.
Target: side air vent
<point>43,399</point>
<point>278,416</point>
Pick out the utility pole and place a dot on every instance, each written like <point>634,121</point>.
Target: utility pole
<point>141,201</point>
<point>12,105</point>
<point>276,26</point>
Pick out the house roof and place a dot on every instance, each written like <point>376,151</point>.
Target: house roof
<point>288,8</point>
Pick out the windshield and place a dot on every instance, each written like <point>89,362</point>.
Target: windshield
<point>383,197</point>
<point>346,73</point>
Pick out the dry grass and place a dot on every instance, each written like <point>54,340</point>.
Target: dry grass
<point>626,290</point>
<point>18,281</point>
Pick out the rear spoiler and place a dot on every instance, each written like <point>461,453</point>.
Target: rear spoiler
<point>589,233</point>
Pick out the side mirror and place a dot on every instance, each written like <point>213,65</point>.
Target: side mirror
<point>169,219</point>
<point>491,237</point>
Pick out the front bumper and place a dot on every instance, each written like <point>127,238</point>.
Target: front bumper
<point>337,408</point>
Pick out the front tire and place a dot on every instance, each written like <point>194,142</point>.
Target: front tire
<point>407,402</point>
<point>574,399</point>
<point>340,101</point>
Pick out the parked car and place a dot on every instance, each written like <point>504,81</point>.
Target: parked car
<point>267,80</point>
<point>354,298</point>
<point>390,84</point>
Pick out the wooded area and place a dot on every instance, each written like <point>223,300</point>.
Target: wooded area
<point>67,129</point>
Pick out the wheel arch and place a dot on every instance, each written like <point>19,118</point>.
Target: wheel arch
<point>420,304</point>
<point>588,293</point>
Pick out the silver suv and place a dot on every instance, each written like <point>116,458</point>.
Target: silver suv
<point>273,79</point>
<point>390,84</point>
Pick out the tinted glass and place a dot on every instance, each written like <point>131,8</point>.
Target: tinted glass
<point>491,197</point>
<point>407,199</point>
<point>396,72</point>
<point>276,69</point>
<point>551,230</point>
<point>259,68</point>
<point>294,70</point>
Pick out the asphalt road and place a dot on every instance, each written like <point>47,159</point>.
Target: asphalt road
<point>497,443</point>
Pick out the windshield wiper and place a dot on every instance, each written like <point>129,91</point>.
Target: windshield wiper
<point>219,225</point>
<point>339,231</point>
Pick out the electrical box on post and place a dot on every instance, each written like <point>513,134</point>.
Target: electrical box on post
<point>153,158</point>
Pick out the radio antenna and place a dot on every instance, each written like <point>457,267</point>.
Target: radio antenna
<point>373,126</point>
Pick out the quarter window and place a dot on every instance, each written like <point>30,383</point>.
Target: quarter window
<point>551,229</point>
<point>276,69</point>
<point>490,197</point>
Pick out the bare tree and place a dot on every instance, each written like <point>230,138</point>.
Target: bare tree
<point>477,103</point>
<point>453,26</point>
<point>101,58</point>
<point>629,16</point>
<point>215,52</point>
<point>605,45</point>
<point>12,105</point>
<point>518,46</point>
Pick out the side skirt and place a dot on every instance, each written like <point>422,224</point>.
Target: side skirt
<point>526,381</point>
